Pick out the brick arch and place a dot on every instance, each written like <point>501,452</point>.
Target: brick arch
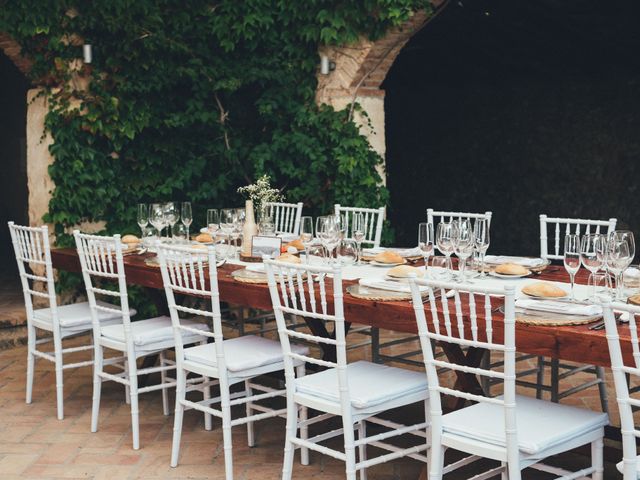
<point>12,49</point>
<point>361,68</point>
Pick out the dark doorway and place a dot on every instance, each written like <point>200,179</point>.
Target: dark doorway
<point>520,107</point>
<point>13,177</point>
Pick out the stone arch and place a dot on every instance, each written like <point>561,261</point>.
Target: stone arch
<point>360,70</point>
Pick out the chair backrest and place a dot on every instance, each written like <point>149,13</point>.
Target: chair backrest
<point>189,271</point>
<point>31,247</point>
<point>566,226</point>
<point>102,265</point>
<point>627,399</point>
<point>444,216</point>
<point>467,321</point>
<point>373,221</point>
<point>286,216</point>
<point>301,290</point>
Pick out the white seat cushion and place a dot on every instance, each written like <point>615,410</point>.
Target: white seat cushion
<point>150,331</point>
<point>370,384</point>
<point>620,467</point>
<point>541,424</point>
<point>76,317</point>
<point>242,353</point>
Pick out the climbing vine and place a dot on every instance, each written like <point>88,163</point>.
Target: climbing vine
<point>192,99</point>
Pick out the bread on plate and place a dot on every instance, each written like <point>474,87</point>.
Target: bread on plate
<point>130,239</point>
<point>511,269</point>
<point>204,238</point>
<point>544,289</point>
<point>297,243</point>
<point>405,271</point>
<point>388,257</point>
<point>289,258</point>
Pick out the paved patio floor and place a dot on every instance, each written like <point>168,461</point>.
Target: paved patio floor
<point>35,445</point>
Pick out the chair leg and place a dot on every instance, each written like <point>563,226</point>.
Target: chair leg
<point>163,380</point>
<point>539,378</point>
<point>362,449</point>
<point>304,430</point>
<point>206,394</point>
<point>226,437</point>
<point>436,461</point>
<point>505,473</point>
<point>97,386</point>
<point>375,345</point>
<point>602,387</point>
<point>349,451</point>
<point>251,441</point>
<point>59,376</point>
<point>133,385</point>
<point>181,380</point>
<point>127,393</point>
<point>597,459</point>
<point>31,362</point>
<point>289,448</point>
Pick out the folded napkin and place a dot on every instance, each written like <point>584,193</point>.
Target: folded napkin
<point>380,283</point>
<point>524,261</point>
<point>559,307</point>
<point>632,272</point>
<point>403,252</point>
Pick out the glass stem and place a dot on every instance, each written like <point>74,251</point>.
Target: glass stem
<point>462,263</point>
<point>482,272</point>
<point>573,296</point>
<point>619,294</point>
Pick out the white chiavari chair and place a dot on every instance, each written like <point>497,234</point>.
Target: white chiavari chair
<point>622,373</point>
<point>517,431</point>
<point>373,222</point>
<point>189,271</point>
<point>560,371</point>
<point>33,254</point>
<point>286,216</point>
<point>103,272</point>
<point>448,216</point>
<point>564,226</point>
<point>356,392</point>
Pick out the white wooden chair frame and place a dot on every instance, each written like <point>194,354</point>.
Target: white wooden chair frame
<point>463,330</point>
<point>186,271</point>
<point>373,222</point>
<point>621,373</point>
<point>448,216</point>
<point>286,216</point>
<point>101,258</point>
<point>571,225</point>
<point>31,246</point>
<point>293,293</point>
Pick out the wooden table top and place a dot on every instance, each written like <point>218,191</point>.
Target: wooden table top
<point>571,343</point>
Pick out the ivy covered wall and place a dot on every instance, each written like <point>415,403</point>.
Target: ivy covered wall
<point>189,100</point>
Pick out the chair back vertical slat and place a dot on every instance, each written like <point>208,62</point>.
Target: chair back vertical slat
<point>568,225</point>
<point>459,317</point>
<point>373,222</point>
<point>623,373</point>
<point>474,317</point>
<point>286,216</point>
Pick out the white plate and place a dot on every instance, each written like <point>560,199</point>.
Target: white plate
<point>504,275</point>
<point>378,264</point>
<point>544,298</point>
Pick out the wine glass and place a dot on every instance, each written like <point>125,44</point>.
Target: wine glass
<point>589,256</point>
<point>227,220</point>
<point>172,215</point>
<point>213,221</point>
<point>347,252</point>
<point>482,240</point>
<point>238,224</point>
<point>425,241</point>
<point>329,233</point>
<point>157,217</point>
<point>463,244</point>
<point>358,231</point>
<point>444,233</point>
<point>306,234</point>
<point>621,251</point>
<point>572,259</point>
<point>186,216</point>
<point>341,224</point>
<point>143,216</point>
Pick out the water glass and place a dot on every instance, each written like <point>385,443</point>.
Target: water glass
<point>213,221</point>
<point>143,216</point>
<point>347,252</point>
<point>621,251</point>
<point>482,240</point>
<point>589,245</point>
<point>186,215</point>
<point>444,242</point>
<point>572,259</point>
<point>425,241</point>
<point>463,244</point>
<point>157,217</point>
<point>358,229</point>
<point>172,215</point>
<point>306,234</point>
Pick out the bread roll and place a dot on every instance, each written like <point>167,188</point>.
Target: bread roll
<point>130,239</point>
<point>289,258</point>
<point>511,269</point>
<point>405,271</point>
<point>388,257</point>
<point>544,289</point>
<point>297,243</point>
<point>204,238</point>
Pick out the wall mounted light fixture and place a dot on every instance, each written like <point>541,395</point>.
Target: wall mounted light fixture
<point>87,53</point>
<point>326,65</point>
